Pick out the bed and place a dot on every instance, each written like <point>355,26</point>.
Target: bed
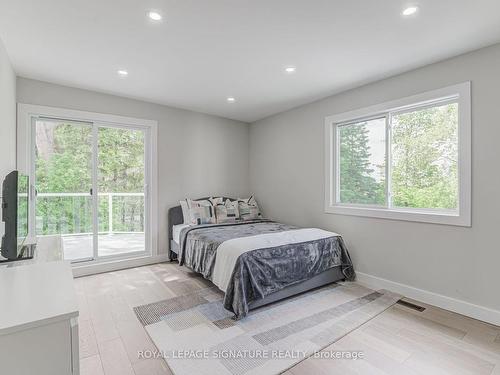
<point>258,262</point>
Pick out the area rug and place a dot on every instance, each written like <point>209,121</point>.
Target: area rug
<point>196,335</point>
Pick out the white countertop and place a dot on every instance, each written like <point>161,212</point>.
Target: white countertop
<point>37,294</point>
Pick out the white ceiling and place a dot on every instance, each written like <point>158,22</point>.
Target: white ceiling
<point>207,50</point>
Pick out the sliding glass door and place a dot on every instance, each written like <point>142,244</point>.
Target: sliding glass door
<point>121,188</point>
<point>91,191</point>
<point>63,175</point>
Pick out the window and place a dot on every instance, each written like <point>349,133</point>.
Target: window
<point>408,159</point>
<point>362,177</point>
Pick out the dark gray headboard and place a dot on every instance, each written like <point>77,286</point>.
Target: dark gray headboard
<point>175,217</point>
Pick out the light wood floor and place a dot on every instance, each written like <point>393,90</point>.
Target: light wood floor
<point>398,341</point>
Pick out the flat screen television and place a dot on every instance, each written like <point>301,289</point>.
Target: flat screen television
<point>14,214</point>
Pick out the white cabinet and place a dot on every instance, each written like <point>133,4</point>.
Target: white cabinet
<point>38,320</point>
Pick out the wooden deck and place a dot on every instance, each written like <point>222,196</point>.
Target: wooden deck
<point>80,246</point>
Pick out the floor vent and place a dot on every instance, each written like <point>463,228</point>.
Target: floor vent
<point>411,305</point>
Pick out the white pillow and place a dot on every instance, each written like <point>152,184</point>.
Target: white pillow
<point>227,212</point>
<point>185,208</point>
<point>185,211</point>
<point>216,201</point>
<point>248,209</point>
<point>201,212</point>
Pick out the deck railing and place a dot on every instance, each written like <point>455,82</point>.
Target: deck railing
<point>71,213</point>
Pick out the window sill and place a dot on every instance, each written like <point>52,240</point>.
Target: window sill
<point>435,217</point>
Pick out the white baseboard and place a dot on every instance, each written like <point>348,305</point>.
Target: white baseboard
<point>482,313</point>
<point>91,269</point>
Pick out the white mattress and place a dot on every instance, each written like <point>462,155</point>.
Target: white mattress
<point>176,231</point>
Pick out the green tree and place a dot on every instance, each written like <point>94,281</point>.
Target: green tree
<point>64,164</point>
<point>424,158</point>
<point>121,170</point>
<point>357,184</point>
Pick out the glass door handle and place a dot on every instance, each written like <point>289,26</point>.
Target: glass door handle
<point>33,192</point>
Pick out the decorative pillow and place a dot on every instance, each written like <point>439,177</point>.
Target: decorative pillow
<point>201,212</point>
<point>227,212</point>
<point>216,201</point>
<point>249,209</point>
<point>185,212</point>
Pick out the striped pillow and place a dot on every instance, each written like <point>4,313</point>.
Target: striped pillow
<point>201,212</point>
<point>227,212</point>
<point>249,209</point>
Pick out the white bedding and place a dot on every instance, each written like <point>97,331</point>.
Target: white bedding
<point>176,231</point>
<point>229,251</point>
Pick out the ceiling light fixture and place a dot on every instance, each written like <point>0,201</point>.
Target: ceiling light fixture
<point>154,15</point>
<point>410,11</point>
<point>290,69</point>
<point>122,73</point>
<point>230,99</point>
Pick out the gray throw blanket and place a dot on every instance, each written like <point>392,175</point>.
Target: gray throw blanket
<point>259,273</point>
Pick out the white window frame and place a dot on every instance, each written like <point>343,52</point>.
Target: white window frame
<point>461,94</point>
<point>25,159</point>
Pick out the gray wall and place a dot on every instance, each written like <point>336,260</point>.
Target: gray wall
<point>198,154</point>
<point>286,174</point>
<point>7,114</point>
<point>7,118</point>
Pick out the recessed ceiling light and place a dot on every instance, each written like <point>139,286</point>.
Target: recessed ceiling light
<point>290,69</point>
<point>122,73</point>
<point>230,99</point>
<point>410,11</point>
<point>154,15</point>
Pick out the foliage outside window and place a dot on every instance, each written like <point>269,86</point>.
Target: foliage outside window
<point>405,158</point>
<point>362,162</point>
<point>64,165</point>
<point>424,154</point>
